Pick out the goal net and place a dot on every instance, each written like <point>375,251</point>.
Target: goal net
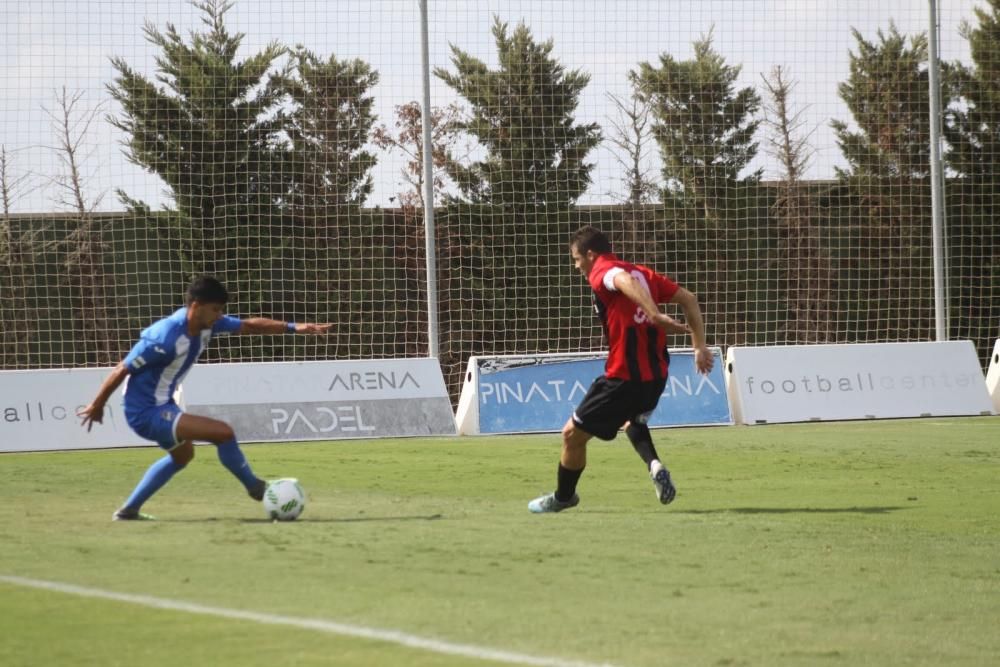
<point>773,157</point>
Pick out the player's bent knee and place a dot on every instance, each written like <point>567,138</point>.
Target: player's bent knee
<point>183,454</point>
<point>222,433</point>
<point>568,430</point>
<point>226,433</point>
<point>574,437</point>
<point>570,433</point>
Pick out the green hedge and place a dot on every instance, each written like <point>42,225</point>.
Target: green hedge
<point>837,270</point>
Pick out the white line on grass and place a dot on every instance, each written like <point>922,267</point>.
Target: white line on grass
<point>331,627</point>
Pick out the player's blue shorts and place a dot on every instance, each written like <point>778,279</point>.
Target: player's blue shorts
<point>158,423</point>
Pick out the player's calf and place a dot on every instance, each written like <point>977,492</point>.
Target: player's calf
<point>642,441</point>
<point>231,456</point>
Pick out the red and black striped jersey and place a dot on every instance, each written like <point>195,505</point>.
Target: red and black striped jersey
<point>637,350</point>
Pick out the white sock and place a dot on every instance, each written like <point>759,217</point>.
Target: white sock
<point>654,467</point>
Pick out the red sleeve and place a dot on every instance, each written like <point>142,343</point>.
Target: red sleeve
<point>665,288</point>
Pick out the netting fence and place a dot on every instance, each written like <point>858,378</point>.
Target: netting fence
<point>774,157</point>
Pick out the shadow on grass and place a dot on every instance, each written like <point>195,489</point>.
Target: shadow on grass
<point>354,519</point>
<point>310,519</point>
<point>796,510</point>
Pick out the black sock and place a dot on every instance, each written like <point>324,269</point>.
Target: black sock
<point>567,483</point>
<point>642,442</point>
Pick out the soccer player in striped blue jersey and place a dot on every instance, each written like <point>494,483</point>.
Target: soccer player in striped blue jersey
<point>155,368</point>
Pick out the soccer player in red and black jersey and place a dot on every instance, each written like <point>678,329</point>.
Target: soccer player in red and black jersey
<point>626,298</point>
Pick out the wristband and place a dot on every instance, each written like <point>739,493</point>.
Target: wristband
<point>290,327</point>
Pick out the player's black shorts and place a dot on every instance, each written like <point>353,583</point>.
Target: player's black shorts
<point>611,402</point>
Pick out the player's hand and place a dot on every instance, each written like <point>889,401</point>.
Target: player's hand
<point>313,328</point>
<point>670,325</point>
<point>90,414</point>
<point>703,360</point>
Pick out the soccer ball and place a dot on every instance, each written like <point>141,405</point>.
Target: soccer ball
<point>284,499</point>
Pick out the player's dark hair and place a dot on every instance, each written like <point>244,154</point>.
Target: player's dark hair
<point>207,289</point>
<point>590,238</point>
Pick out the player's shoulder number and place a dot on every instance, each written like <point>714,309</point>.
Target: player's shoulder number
<point>640,316</point>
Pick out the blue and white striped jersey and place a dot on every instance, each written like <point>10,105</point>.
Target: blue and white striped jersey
<point>163,356</point>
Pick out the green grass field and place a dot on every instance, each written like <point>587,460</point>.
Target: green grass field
<point>874,543</point>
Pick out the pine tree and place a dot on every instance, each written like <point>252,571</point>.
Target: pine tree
<point>887,182</point>
<point>265,160</point>
<point>206,126</point>
<point>327,124</point>
<point>328,127</point>
<point>887,94</point>
<point>508,226</point>
<point>523,115</point>
<point>972,128</point>
<point>704,126</point>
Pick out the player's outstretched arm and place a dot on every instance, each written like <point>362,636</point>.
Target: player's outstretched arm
<point>95,411</point>
<point>263,325</point>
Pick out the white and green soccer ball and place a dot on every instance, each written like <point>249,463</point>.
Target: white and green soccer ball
<point>284,499</point>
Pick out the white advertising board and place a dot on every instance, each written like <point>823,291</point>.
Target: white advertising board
<point>323,400</point>
<point>864,381</point>
<point>993,377</point>
<point>39,411</point>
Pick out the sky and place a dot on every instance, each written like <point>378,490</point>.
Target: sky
<point>46,45</point>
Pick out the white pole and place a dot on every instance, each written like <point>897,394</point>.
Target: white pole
<point>937,182</point>
<point>429,246</point>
